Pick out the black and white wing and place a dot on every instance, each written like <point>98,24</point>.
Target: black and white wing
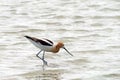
<point>44,42</point>
<point>49,41</point>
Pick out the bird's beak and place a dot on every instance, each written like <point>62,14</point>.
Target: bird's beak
<point>67,51</point>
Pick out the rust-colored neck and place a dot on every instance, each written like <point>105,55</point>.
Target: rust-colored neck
<point>57,47</point>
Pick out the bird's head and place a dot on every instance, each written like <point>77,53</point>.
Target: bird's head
<point>60,44</point>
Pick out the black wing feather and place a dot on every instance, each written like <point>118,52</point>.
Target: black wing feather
<point>49,41</point>
<point>40,41</point>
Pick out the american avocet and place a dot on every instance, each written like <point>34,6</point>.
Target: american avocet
<point>46,45</point>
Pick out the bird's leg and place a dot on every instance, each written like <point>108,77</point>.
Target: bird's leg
<point>43,57</point>
<point>45,62</point>
<point>38,54</point>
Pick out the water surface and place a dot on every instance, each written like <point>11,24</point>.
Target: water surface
<point>89,29</point>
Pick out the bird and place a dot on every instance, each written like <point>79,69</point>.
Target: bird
<point>46,45</point>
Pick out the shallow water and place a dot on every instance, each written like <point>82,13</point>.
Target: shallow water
<point>89,29</point>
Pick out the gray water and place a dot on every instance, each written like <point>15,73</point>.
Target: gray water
<point>90,30</point>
